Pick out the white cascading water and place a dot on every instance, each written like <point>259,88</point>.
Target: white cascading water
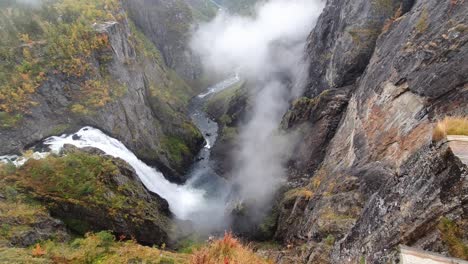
<point>201,200</point>
<point>183,200</point>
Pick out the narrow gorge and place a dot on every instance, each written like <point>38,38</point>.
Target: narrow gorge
<point>233,131</point>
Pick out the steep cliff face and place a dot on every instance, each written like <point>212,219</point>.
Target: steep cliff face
<point>124,88</point>
<point>243,7</point>
<point>167,24</point>
<point>382,73</point>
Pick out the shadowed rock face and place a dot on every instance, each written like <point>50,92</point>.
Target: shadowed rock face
<point>380,180</point>
<point>167,24</point>
<point>343,41</point>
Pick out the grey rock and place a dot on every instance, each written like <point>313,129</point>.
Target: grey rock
<point>132,118</point>
<point>167,23</point>
<point>400,182</point>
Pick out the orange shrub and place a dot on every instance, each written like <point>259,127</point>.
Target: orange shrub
<point>227,250</point>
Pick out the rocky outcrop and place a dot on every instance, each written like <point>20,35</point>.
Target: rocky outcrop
<point>228,108</point>
<point>90,191</point>
<point>23,223</point>
<point>381,180</point>
<point>137,113</point>
<point>167,23</point>
<point>321,114</point>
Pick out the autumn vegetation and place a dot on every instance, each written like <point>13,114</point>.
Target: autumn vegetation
<point>450,126</point>
<point>55,38</point>
<point>227,250</point>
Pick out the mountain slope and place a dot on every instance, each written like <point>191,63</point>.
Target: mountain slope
<point>382,74</point>
<point>68,64</point>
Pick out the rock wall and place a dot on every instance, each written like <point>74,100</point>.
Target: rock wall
<point>382,73</point>
<point>168,25</point>
<point>141,118</point>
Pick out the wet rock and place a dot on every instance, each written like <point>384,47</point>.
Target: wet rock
<point>377,164</point>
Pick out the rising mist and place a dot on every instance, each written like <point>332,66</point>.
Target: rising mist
<point>268,51</point>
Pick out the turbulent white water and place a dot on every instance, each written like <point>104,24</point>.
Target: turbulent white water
<point>201,200</point>
<point>21,160</point>
<point>183,200</point>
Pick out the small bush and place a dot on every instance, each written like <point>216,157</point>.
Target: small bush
<point>226,250</point>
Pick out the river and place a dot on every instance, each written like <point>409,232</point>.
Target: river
<point>202,199</point>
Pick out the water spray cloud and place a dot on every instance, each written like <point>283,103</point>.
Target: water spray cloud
<point>268,48</point>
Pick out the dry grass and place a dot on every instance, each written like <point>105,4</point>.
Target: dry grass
<point>226,251</point>
<point>296,193</point>
<point>103,248</point>
<point>450,126</point>
<point>391,20</point>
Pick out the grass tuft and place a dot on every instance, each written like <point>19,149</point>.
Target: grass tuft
<point>450,126</point>
<point>452,236</point>
<point>226,250</point>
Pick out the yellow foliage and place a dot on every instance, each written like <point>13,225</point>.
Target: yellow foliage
<point>64,47</point>
<point>450,126</point>
<point>303,193</point>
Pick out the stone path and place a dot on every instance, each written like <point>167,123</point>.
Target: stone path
<point>459,146</point>
<point>415,256</point>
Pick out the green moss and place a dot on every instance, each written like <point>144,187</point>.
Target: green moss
<point>176,148</point>
<point>190,245</point>
<point>229,133</point>
<point>362,260</point>
<point>218,104</point>
<point>268,226</point>
<point>94,248</point>
<point>74,176</point>
<point>225,120</point>
<point>452,236</point>
<point>59,129</point>
<point>422,25</point>
<point>144,47</point>
<point>330,240</point>
<point>8,120</point>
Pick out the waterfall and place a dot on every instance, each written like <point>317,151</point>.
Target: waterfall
<point>183,200</point>
<point>202,199</point>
